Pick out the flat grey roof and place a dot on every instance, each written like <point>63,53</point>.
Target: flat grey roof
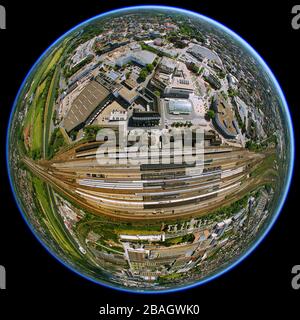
<point>169,63</point>
<point>206,53</point>
<point>144,56</point>
<point>84,105</point>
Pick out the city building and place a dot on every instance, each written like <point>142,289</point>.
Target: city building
<point>224,119</point>
<point>128,95</point>
<point>158,42</point>
<point>242,109</point>
<point>181,85</point>
<point>200,53</point>
<point>167,65</point>
<point>141,57</point>
<point>144,119</point>
<point>112,115</point>
<point>213,81</point>
<point>92,97</point>
<point>179,106</point>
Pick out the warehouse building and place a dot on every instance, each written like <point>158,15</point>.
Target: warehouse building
<point>89,101</point>
<point>141,57</point>
<point>200,53</point>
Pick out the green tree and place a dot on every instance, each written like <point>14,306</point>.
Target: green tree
<point>210,114</point>
<point>143,74</point>
<point>91,131</point>
<point>128,75</point>
<point>150,67</point>
<point>157,93</point>
<point>231,92</point>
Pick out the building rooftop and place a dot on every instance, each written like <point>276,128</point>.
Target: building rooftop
<point>145,115</point>
<point>224,118</point>
<point>144,56</point>
<point>141,57</point>
<point>167,64</point>
<point>182,79</point>
<point>203,52</point>
<point>132,83</point>
<point>179,106</point>
<point>128,95</point>
<point>84,105</point>
<point>113,75</point>
<point>113,112</point>
<point>182,83</point>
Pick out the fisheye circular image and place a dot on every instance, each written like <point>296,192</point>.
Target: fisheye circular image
<point>150,149</point>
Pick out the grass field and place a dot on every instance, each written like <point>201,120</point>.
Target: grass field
<point>49,109</point>
<point>37,126</point>
<point>38,74</point>
<point>33,121</point>
<point>52,221</point>
<point>138,231</point>
<point>37,120</point>
<point>107,248</point>
<point>55,58</point>
<point>266,167</point>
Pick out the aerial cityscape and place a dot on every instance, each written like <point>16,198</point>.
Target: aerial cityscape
<point>149,149</point>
